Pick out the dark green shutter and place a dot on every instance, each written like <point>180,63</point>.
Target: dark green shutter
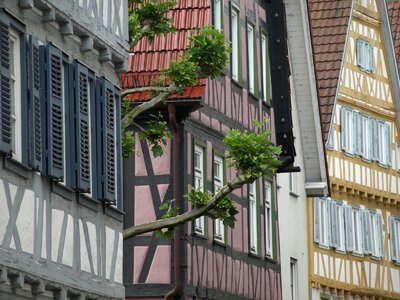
<point>5,87</point>
<point>119,149</point>
<point>34,86</point>
<point>54,90</point>
<point>82,98</point>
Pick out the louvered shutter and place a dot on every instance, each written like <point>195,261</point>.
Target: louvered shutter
<point>348,228</point>
<point>108,138</point>
<point>343,127</point>
<point>333,224</point>
<point>118,151</point>
<point>317,220</point>
<point>366,220</point>
<point>5,86</point>
<point>393,236</point>
<point>380,242</point>
<point>388,150</point>
<point>82,98</point>
<point>54,91</point>
<point>35,105</point>
<point>359,52</point>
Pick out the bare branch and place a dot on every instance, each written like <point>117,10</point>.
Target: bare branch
<point>130,117</point>
<point>188,216</point>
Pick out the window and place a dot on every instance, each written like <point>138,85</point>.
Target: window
<point>251,58</point>
<point>235,34</point>
<point>218,14</point>
<point>337,235</point>
<point>394,231</point>
<point>364,136</point>
<point>15,75</point>
<point>199,183</point>
<point>253,218</point>
<point>365,56</point>
<point>321,222</point>
<point>268,218</point>
<point>264,67</point>
<point>293,183</point>
<point>219,233</point>
<point>354,238</point>
<point>398,156</point>
<point>373,238</point>
<point>331,139</point>
<point>346,122</point>
<point>293,279</point>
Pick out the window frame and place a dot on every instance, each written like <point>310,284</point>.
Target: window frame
<point>219,227</point>
<point>265,71</point>
<point>268,219</point>
<point>293,278</point>
<point>356,211</point>
<point>252,78</point>
<point>199,224</point>
<point>218,11</point>
<point>365,56</point>
<point>253,214</point>
<point>235,54</point>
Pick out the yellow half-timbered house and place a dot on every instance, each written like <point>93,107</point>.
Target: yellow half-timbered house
<point>354,232</point>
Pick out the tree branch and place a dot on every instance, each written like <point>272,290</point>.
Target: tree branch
<point>127,92</point>
<point>130,117</point>
<point>188,216</point>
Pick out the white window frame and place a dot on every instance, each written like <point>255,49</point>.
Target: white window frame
<point>321,222</point>
<point>337,226</point>
<point>251,59</point>
<point>219,232</point>
<point>268,218</point>
<point>384,143</point>
<point>366,137</point>
<point>235,31</point>
<point>394,229</point>
<point>358,133</point>
<point>16,116</point>
<point>199,176</point>
<point>264,66</point>
<point>398,156</point>
<point>254,243</point>
<point>357,230</point>
<point>375,232</point>
<point>218,14</point>
<point>293,279</point>
<point>365,56</point>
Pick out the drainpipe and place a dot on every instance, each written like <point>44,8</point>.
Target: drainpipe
<point>176,291</point>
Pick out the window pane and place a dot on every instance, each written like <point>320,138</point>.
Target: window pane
<point>235,44</point>
<point>250,53</point>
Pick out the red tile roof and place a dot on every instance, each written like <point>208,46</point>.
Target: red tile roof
<point>146,61</point>
<point>394,13</point>
<point>329,20</point>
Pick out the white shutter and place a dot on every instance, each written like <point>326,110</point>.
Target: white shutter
<point>371,59</point>
<point>359,52</point>
<point>393,243</point>
<point>317,220</point>
<point>366,231</point>
<point>380,242</point>
<point>334,226</point>
<point>348,224</point>
<point>343,126</point>
<point>358,149</point>
<point>388,144</point>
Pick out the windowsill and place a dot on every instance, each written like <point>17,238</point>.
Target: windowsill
<point>357,254</point>
<point>294,194</point>
<point>62,191</point>
<point>267,104</point>
<point>270,259</point>
<point>254,254</point>
<point>219,243</point>
<point>377,258</point>
<point>199,235</point>
<point>326,247</point>
<point>89,202</point>
<point>237,84</point>
<point>16,167</point>
<point>253,97</point>
<point>340,251</point>
<point>114,213</point>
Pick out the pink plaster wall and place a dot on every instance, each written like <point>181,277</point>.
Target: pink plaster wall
<point>139,253</point>
<point>160,267</point>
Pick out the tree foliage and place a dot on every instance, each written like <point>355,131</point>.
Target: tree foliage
<point>252,154</point>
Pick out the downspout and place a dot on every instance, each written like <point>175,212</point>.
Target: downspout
<point>176,291</point>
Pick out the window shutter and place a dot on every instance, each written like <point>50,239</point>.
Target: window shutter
<point>343,127</point>
<point>119,175</point>
<point>379,227</point>
<point>374,134</point>
<point>55,136</point>
<point>357,133</point>
<point>393,244</point>
<point>371,59</point>
<point>388,150</point>
<point>108,141</point>
<point>348,228</point>
<point>82,98</point>
<point>359,52</point>
<point>5,86</point>
<point>366,232</point>
<point>35,105</point>
<point>317,220</point>
<point>334,226</point>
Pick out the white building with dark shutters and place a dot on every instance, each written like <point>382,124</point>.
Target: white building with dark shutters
<point>60,152</point>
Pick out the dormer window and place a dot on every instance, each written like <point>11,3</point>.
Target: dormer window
<point>365,56</point>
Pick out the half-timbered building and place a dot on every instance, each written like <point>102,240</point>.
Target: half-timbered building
<point>353,234</point>
<point>210,260</point>
<point>60,171</point>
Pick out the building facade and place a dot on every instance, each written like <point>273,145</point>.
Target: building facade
<point>60,176</point>
<point>353,234</point>
<point>210,260</point>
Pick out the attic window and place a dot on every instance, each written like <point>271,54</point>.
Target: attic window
<point>365,56</point>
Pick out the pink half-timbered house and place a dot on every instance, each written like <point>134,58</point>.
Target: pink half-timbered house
<point>209,260</point>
